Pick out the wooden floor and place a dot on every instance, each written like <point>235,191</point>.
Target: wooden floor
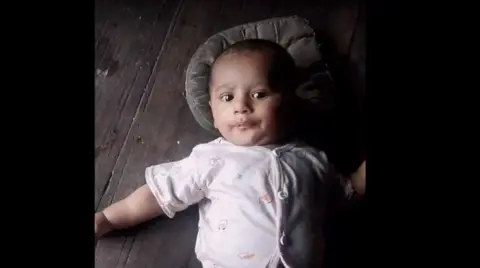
<point>141,51</point>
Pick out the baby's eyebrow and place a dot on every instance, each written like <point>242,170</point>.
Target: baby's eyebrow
<point>260,84</point>
<point>223,86</point>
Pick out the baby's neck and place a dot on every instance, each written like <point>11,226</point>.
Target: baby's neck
<point>270,145</point>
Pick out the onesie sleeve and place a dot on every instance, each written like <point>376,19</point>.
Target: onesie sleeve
<point>176,185</point>
<point>332,177</point>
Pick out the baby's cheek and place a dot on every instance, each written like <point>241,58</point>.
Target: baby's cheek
<point>219,114</point>
<point>270,115</point>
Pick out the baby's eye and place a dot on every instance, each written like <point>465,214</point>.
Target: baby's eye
<point>227,97</point>
<point>259,95</point>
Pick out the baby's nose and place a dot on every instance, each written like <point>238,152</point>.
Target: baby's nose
<point>242,106</point>
<point>242,110</point>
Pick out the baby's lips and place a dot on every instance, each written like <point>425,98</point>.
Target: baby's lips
<point>243,122</point>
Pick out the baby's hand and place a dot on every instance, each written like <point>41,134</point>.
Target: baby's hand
<point>359,179</point>
<point>102,225</point>
<point>136,208</point>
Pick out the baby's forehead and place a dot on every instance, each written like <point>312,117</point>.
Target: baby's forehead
<point>239,68</point>
<point>255,57</point>
<point>259,64</point>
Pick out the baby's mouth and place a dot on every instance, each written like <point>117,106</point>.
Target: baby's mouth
<point>244,125</point>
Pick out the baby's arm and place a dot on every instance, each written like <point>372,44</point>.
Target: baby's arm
<point>350,186</point>
<point>170,187</point>
<point>138,207</point>
<point>358,179</point>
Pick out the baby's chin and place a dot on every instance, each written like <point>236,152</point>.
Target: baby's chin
<point>250,140</point>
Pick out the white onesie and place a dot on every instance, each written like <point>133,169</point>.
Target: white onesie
<point>254,202</point>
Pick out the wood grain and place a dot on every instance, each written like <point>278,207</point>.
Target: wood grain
<point>126,51</point>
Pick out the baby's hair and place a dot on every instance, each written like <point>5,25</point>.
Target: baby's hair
<point>282,72</point>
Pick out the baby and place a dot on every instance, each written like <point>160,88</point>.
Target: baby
<point>261,192</point>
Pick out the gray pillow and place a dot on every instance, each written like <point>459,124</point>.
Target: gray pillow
<point>292,32</point>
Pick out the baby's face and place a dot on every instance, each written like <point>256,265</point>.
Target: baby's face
<point>245,109</point>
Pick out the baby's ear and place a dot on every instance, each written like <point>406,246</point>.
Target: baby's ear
<point>210,103</point>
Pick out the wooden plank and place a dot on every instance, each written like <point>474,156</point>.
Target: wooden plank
<point>165,130</point>
<point>100,22</point>
<point>128,45</point>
